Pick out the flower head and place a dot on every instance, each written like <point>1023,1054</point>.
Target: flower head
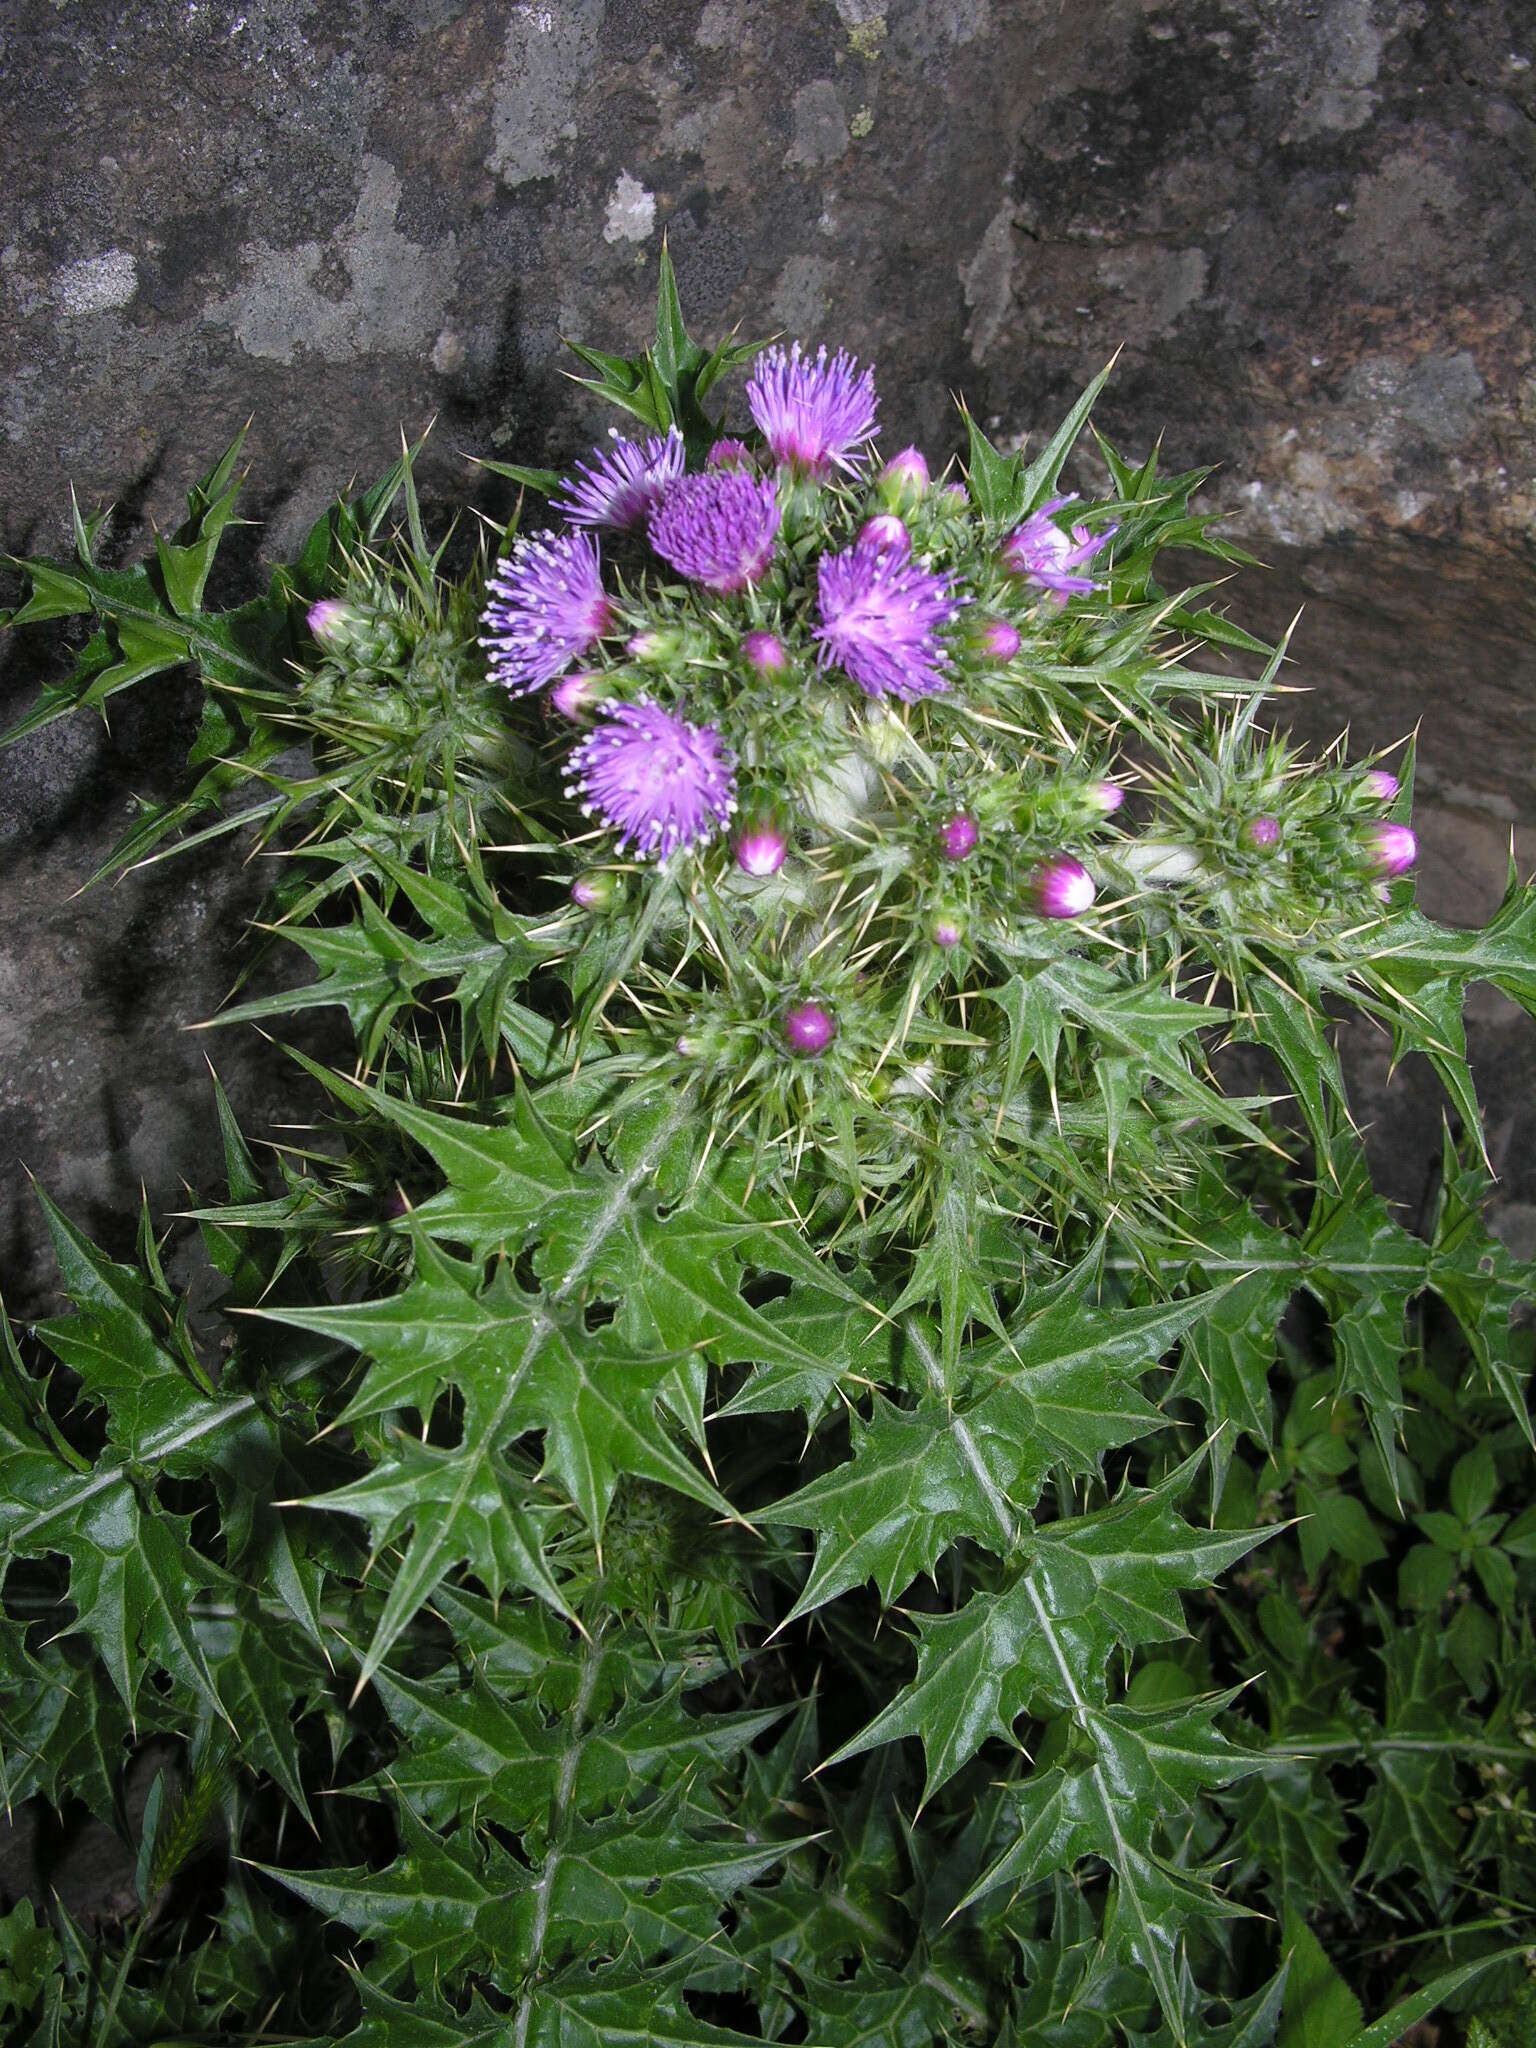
<point>1379,783</point>
<point>1040,551</point>
<point>958,836</point>
<point>813,415</point>
<point>946,928</point>
<point>1061,887</point>
<point>1104,797</point>
<point>718,528</point>
<point>1261,834</point>
<point>544,607</point>
<point>621,484</point>
<point>728,454</point>
<point>809,1029</point>
<point>1390,849</point>
<point>880,619</point>
<point>328,621</point>
<point>653,778</point>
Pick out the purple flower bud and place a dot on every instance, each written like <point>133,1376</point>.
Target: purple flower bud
<point>328,621</point>
<point>579,692</point>
<point>1104,797</point>
<point>1391,849</point>
<point>765,652</point>
<point>1260,834</point>
<point>809,1029</point>
<point>1061,887</point>
<point>958,836</point>
<point>1381,784</point>
<point>886,533</point>
<point>998,639</point>
<point>729,454</point>
<point>946,928</point>
<point>760,842</point>
<point>395,1206</point>
<point>594,891</point>
<point>903,480</point>
<point>958,496</point>
<point>656,644</point>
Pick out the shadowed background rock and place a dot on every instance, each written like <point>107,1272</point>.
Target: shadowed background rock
<point>1309,224</point>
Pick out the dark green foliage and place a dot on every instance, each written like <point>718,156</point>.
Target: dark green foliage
<point>986,1537</point>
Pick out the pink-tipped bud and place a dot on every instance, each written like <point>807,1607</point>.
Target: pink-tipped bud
<point>946,928</point>
<point>958,836</point>
<point>1260,835</point>
<point>764,652</point>
<point>992,639</point>
<point>1391,849</point>
<point>656,644</point>
<point>957,497</point>
<point>594,891</point>
<point>1061,887</point>
<point>579,692</point>
<point>886,535</point>
<point>902,482</point>
<point>809,1029</point>
<point>729,454</point>
<point>1104,797</point>
<point>760,842</point>
<point>1381,784</point>
<point>328,621</point>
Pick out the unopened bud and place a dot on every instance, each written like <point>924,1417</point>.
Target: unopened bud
<point>809,1029</point>
<point>594,891</point>
<point>1381,784</point>
<point>1261,834</point>
<point>902,482</point>
<point>760,841</point>
<point>579,692</point>
<point>765,652</point>
<point>958,836</point>
<point>946,928</point>
<point>1104,797</point>
<point>655,645</point>
<point>729,454</point>
<point>1061,887</point>
<point>1390,849</point>
<point>886,535</point>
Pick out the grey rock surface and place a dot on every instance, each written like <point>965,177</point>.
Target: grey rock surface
<point>1308,225</point>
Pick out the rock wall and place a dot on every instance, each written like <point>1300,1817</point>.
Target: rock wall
<point>1309,226</point>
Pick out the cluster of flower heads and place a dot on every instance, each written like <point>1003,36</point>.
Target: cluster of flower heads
<point>883,619</point>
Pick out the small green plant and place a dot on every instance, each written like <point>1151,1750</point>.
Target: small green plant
<point>790,1465</point>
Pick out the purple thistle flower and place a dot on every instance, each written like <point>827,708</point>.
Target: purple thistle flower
<point>728,454</point>
<point>1261,834</point>
<point>880,619</point>
<point>813,415</point>
<point>718,528</point>
<point>809,1029</point>
<point>656,780</point>
<point>1390,849</point>
<point>1040,551</point>
<point>544,607</point>
<point>765,652</point>
<point>1061,887</point>
<point>886,532</point>
<point>1379,783</point>
<point>958,836</point>
<point>621,484</point>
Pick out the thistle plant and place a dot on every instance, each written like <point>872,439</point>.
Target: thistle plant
<point>793,1462</point>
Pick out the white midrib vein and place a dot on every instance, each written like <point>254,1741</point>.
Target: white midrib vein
<point>559,1808</point>
<point>1081,1713</point>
